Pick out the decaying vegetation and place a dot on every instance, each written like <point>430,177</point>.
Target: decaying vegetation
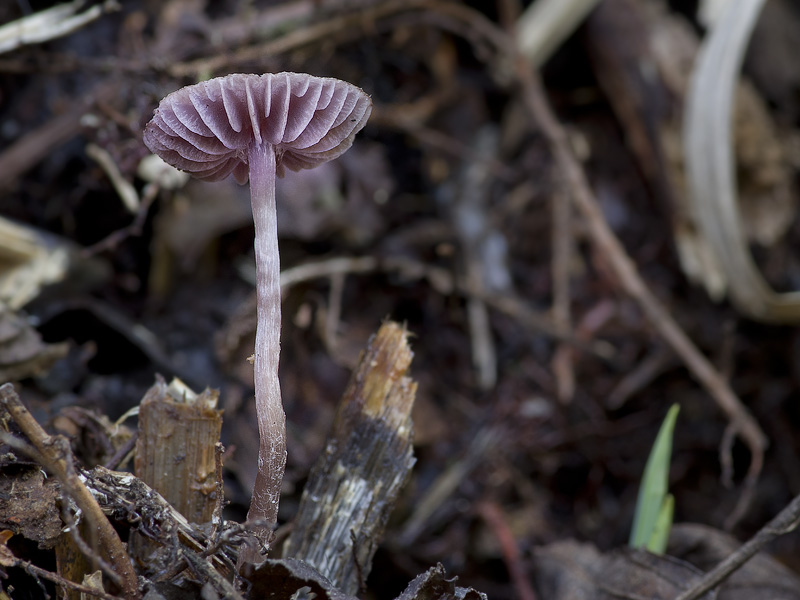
<point>571,214</point>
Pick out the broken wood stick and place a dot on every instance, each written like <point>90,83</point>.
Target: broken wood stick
<point>367,459</point>
<point>178,431</point>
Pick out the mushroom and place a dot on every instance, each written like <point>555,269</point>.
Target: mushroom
<point>256,127</point>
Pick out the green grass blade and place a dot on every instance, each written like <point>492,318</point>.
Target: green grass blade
<point>653,489</point>
<point>657,543</point>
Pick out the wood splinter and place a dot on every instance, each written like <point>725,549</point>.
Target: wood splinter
<point>367,459</point>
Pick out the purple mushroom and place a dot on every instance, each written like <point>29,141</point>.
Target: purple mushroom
<point>256,127</point>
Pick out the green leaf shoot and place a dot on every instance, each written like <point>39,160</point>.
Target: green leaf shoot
<point>657,544</point>
<point>653,490</point>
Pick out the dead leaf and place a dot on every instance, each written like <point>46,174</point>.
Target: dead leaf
<point>7,558</point>
<point>570,570</point>
<point>761,578</point>
<point>22,351</point>
<point>28,506</point>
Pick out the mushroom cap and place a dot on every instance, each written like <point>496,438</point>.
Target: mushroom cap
<point>207,128</point>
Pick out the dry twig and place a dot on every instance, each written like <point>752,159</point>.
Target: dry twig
<point>562,362</point>
<point>493,515</point>
<point>221,585</point>
<point>446,484</point>
<point>123,452</point>
<point>63,583</point>
<point>785,522</point>
<point>116,237</point>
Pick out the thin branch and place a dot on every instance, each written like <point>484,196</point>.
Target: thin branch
<point>496,521</point>
<point>221,585</point>
<point>344,28</point>
<point>785,522</point>
<point>65,583</point>
<point>124,188</point>
<point>86,549</point>
<point>133,230</point>
<point>119,456</point>
<point>562,248</point>
<point>57,579</point>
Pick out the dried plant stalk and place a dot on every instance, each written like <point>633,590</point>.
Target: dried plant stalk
<point>175,450</point>
<point>710,165</point>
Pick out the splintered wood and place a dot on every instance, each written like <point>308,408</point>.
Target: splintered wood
<point>367,459</point>
<point>175,451</point>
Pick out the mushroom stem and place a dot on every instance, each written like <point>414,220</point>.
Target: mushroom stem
<point>271,418</point>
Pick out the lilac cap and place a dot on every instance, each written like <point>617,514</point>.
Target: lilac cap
<point>207,128</point>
